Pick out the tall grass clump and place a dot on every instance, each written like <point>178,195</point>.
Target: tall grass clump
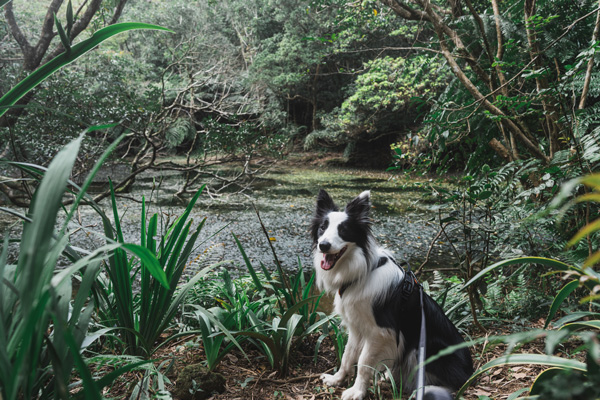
<point>143,313</point>
<point>43,322</point>
<point>294,317</point>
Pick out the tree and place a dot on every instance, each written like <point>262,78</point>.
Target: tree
<point>511,66</point>
<point>38,51</point>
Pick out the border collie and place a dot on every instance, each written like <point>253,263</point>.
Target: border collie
<point>382,318</point>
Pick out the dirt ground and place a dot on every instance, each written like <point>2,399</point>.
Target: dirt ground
<point>251,377</point>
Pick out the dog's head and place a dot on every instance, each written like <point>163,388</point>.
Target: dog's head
<point>337,233</point>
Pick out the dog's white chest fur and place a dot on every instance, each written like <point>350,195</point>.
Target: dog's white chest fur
<point>355,305</point>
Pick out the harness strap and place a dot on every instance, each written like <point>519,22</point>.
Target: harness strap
<point>409,283</point>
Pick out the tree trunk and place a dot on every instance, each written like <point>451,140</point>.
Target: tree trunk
<point>590,65</point>
<point>550,111</point>
<point>445,34</point>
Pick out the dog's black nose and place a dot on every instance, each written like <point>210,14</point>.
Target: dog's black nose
<point>324,246</point>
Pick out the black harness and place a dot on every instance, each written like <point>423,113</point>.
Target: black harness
<point>409,283</point>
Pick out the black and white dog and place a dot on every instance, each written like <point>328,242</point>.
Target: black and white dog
<point>382,320</point>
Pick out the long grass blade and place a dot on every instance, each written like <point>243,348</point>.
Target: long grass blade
<point>91,390</point>
<point>175,229</point>
<point>43,72</point>
<point>35,243</point>
<point>221,327</point>
<point>559,265</point>
<point>111,376</point>
<point>149,262</point>
<point>168,313</point>
<point>574,326</point>
<point>583,232</point>
<point>82,192</point>
<point>543,376</point>
<point>249,266</point>
<point>559,299</point>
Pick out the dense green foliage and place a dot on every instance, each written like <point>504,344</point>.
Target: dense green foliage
<point>507,93</point>
<point>333,74</point>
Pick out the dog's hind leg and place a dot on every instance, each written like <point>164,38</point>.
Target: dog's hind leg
<point>375,353</point>
<point>349,359</point>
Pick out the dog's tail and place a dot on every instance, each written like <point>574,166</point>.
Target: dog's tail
<point>437,393</point>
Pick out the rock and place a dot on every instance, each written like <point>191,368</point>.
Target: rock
<point>196,382</point>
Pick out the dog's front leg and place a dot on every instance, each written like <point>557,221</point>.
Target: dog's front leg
<point>375,352</point>
<point>349,359</point>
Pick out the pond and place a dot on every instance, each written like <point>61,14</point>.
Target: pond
<point>284,197</point>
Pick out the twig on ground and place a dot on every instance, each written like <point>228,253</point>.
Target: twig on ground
<point>429,251</point>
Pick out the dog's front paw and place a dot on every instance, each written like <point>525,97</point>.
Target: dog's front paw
<point>354,393</point>
<point>332,380</point>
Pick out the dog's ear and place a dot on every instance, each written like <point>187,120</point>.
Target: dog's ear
<point>325,203</point>
<point>360,207</point>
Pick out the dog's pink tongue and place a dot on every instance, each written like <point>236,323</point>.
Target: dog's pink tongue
<point>327,261</point>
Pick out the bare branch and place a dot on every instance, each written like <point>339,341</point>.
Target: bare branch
<point>78,27</point>
<point>16,31</point>
<point>118,12</point>
<point>590,65</point>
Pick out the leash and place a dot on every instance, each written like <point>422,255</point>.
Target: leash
<point>408,285</point>
<point>422,348</point>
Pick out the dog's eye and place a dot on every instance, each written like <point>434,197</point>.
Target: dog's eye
<point>324,226</point>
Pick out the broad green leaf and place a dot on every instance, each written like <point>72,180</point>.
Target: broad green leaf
<point>81,48</point>
<point>559,299</point>
<point>149,262</point>
<point>523,260</point>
